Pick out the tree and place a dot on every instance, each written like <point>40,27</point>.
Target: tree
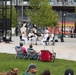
<point>41,13</point>
<point>14,15</point>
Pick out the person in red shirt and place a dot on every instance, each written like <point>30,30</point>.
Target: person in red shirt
<point>23,48</point>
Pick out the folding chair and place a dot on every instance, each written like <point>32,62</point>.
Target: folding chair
<point>32,55</point>
<point>19,52</point>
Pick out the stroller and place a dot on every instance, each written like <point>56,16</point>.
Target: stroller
<point>46,55</point>
<point>19,52</point>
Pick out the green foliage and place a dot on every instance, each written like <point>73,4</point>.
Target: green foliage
<point>75,9</point>
<point>14,17</point>
<point>8,15</point>
<point>42,13</point>
<point>0,11</point>
<point>58,67</point>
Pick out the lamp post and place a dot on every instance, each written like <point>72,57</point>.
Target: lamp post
<point>22,10</point>
<point>62,40</point>
<point>64,23</point>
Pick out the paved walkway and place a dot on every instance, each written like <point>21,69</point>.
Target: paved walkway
<point>64,50</point>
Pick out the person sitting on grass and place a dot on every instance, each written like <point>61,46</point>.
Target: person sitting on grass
<point>23,48</point>
<point>31,53</point>
<point>69,72</point>
<point>46,72</point>
<point>32,70</point>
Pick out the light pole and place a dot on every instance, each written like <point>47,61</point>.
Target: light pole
<point>22,10</point>
<point>64,23</point>
<point>62,40</point>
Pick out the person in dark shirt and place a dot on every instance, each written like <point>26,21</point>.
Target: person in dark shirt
<point>46,72</point>
<point>31,53</point>
<point>69,72</point>
<point>32,70</point>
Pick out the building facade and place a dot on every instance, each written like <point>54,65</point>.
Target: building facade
<point>70,16</point>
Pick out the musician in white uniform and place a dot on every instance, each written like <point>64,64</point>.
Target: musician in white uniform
<point>24,37</point>
<point>32,37</point>
<point>44,38</point>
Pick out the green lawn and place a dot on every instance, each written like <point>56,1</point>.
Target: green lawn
<point>58,67</point>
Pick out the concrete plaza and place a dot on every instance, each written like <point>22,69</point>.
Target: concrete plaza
<point>64,50</point>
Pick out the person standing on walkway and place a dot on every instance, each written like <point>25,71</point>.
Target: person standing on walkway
<point>23,28</point>
<point>32,70</point>
<point>16,31</point>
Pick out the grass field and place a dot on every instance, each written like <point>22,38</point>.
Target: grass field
<point>58,67</point>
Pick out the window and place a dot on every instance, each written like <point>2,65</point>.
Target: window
<point>25,0</point>
<point>74,0</point>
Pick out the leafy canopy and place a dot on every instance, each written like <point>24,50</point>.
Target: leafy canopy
<point>41,13</point>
